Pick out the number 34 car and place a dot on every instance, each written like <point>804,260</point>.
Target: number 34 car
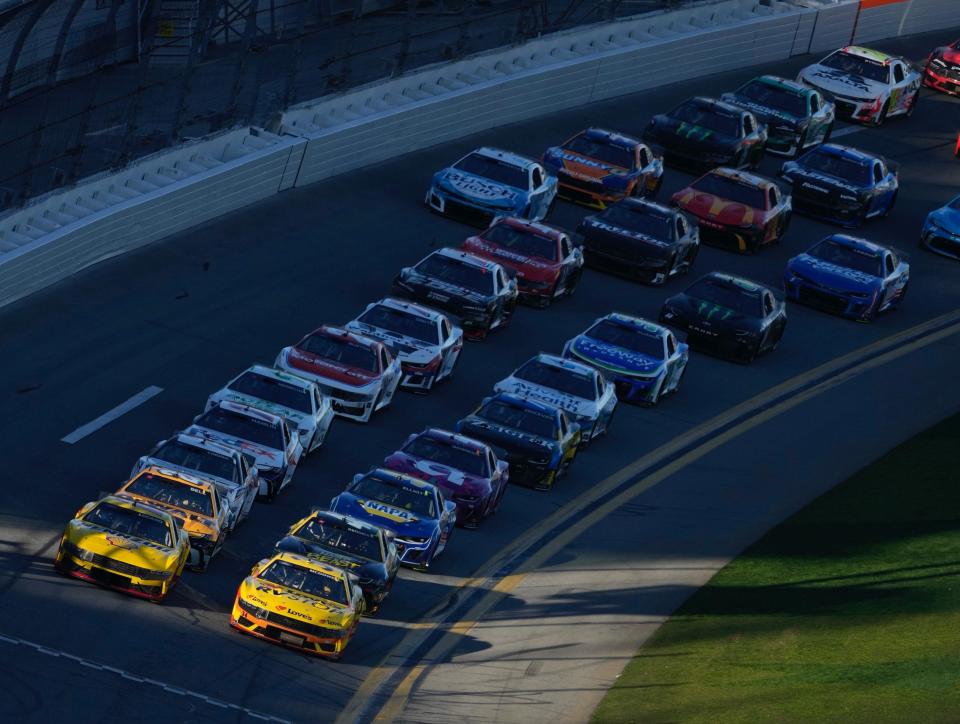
<point>300,603</point>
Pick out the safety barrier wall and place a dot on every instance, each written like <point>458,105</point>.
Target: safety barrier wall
<point>161,195</point>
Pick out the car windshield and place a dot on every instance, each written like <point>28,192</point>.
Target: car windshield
<point>493,169</point>
<point>730,190</point>
<point>628,337</point>
<point>639,219</point>
<point>342,351</point>
<point>535,422</point>
<point>198,459</point>
<point>837,166</point>
<point>848,257</point>
<point>742,297</point>
<point>449,453</point>
<point>774,96</point>
<point>857,65</point>
<point>713,119</point>
<point>557,378</point>
<point>458,273</point>
<point>130,522</point>
<point>246,427</point>
<point>273,390</point>
<point>340,536</point>
<point>171,492</point>
<point>602,150</point>
<point>521,241</point>
<point>402,323</point>
<point>306,580</point>
<point>408,497</point>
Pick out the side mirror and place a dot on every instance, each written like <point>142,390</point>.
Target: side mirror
<point>357,478</point>
<point>255,471</point>
<point>450,506</point>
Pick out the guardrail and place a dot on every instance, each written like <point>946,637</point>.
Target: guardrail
<point>171,191</point>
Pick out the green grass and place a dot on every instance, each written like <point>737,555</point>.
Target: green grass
<point>847,612</point>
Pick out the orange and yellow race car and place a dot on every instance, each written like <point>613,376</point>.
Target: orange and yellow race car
<point>736,209</point>
<point>299,602</point>
<point>125,545</point>
<point>193,501</point>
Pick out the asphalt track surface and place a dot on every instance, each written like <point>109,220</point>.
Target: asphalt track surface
<point>188,313</point>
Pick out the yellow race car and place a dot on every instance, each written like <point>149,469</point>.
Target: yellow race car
<point>124,545</point>
<point>192,500</point>
<point>299,602</point>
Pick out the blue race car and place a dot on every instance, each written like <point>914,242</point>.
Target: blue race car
<point>489,184</point>
<point>848,276</point>
<point>841,185</point>
<point>941,230</point>
<point>412,509</point>
<point>643,360</point>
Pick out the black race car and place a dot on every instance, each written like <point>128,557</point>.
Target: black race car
<point>477,291</point>
<point>704,133</point>
<point>364,550</point>
<point>641,240</point>
<point>727,316</point>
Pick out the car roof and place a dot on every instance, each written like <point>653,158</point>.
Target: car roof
<point>497,154</point>
<point>347,520</point>
<point>279,375</point>
<point>707,102</point>
<point>790,85</point>
<point>744,178</point>
<point>466,257</point>
<point>517,401</point>
<point>250,411</point>
<point>867,53</point>
<point>139,506</point>
<point>567,365</point>
<point>617,139</point>
<point>847,152</point>
<point>345,335</point>
<point>546,230</point>
<point>636,323</point>
<point>392,476</point>
<point>649,206</point>
<point>415,310</point>
<point>176,476</point>
<point>203,443</point>
<point>438,434</point>
<point>311,563</point>
<point>855,242</point>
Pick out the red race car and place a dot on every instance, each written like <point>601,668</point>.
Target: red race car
<point>547,264</point>
<point>942,71</point>
<point>736,208</point>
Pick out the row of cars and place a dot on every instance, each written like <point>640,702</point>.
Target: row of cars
<point>339,563</point>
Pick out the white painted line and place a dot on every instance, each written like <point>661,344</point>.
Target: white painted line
<point>846,131</point>
<point>107,417</point>
<point>178,691</point>
<point>109,129</point>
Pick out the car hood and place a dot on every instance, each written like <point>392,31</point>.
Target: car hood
<point>441,475</point>
<point>817,181</point>
<point>342,374</point>
<point>265,456</point>
<point>579,166</point>
<point>594,228</point>
<point>716,209</point>
<point>837,277</point>
<point>555,398</point>
<point>948,218</point>
<point>409,349</point>
<point>527,267</point>
<point>479,189</point>
<point>764,114</point>
<point>401,521</point>
<point>613,358</point>
<point>332,556</point>
<point>429,284</point>
<point>508,438</point>
<point>846,84</point>
<point>292,603</point>
<point>693,137</point>
<point>120,546</point>
<point>708,314</point>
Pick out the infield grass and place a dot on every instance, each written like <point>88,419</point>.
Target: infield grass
<point>847,612</point>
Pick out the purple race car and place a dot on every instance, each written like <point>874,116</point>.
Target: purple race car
<point>466,470</point>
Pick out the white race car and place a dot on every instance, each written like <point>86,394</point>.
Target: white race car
<point>296,399</point>
<point>866,86</point>
<point>264,435</point>
<point>577,389</point>
<point>234,473</point>
<point>358,373</point>
<point>425,341</point>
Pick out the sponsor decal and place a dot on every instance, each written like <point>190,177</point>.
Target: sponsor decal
<point>375,507</point>
<point>708,310</point>
<point>853,275</point>
<point>625,359</point>
<point>824,178</point>
<point>693,132</point>
<point>436,470</point>
<point>846,79</point>
<point>479,188</point>
<point>610,228</point>
<point>121,542</point>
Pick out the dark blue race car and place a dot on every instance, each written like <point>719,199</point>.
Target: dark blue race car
<point>848,276</point>
<point>941,230</point>
<point>841,185</point>
<point>414,510</point>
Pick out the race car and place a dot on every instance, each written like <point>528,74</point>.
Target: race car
<point>192,500</point>
<point>366,551</point>
<point>736,210</point>
<point>539,442</point>
<point>705,133</point>
<point>466,470</point>
<point>841,185</point>
<point>727,316</point>
<point>299,603</point>
<point>477,291</point>
<point>796,117</point>
<point>296,399</point>
<point>234,473</point>
<point>866,86</point>
<point>357,373</point>
<point>414,510</point>
<point>544,261</point>
<point>488,183</point>
<point>124,545</point>
<point>597,167</point>
<point>577,389</point>
<point>640,239</point>
<point>425,341</point>
<point>848,276</point>
<point>941,230</point>
<point>263,435</point>
<point>942,71</point>
<point>643,360</point>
